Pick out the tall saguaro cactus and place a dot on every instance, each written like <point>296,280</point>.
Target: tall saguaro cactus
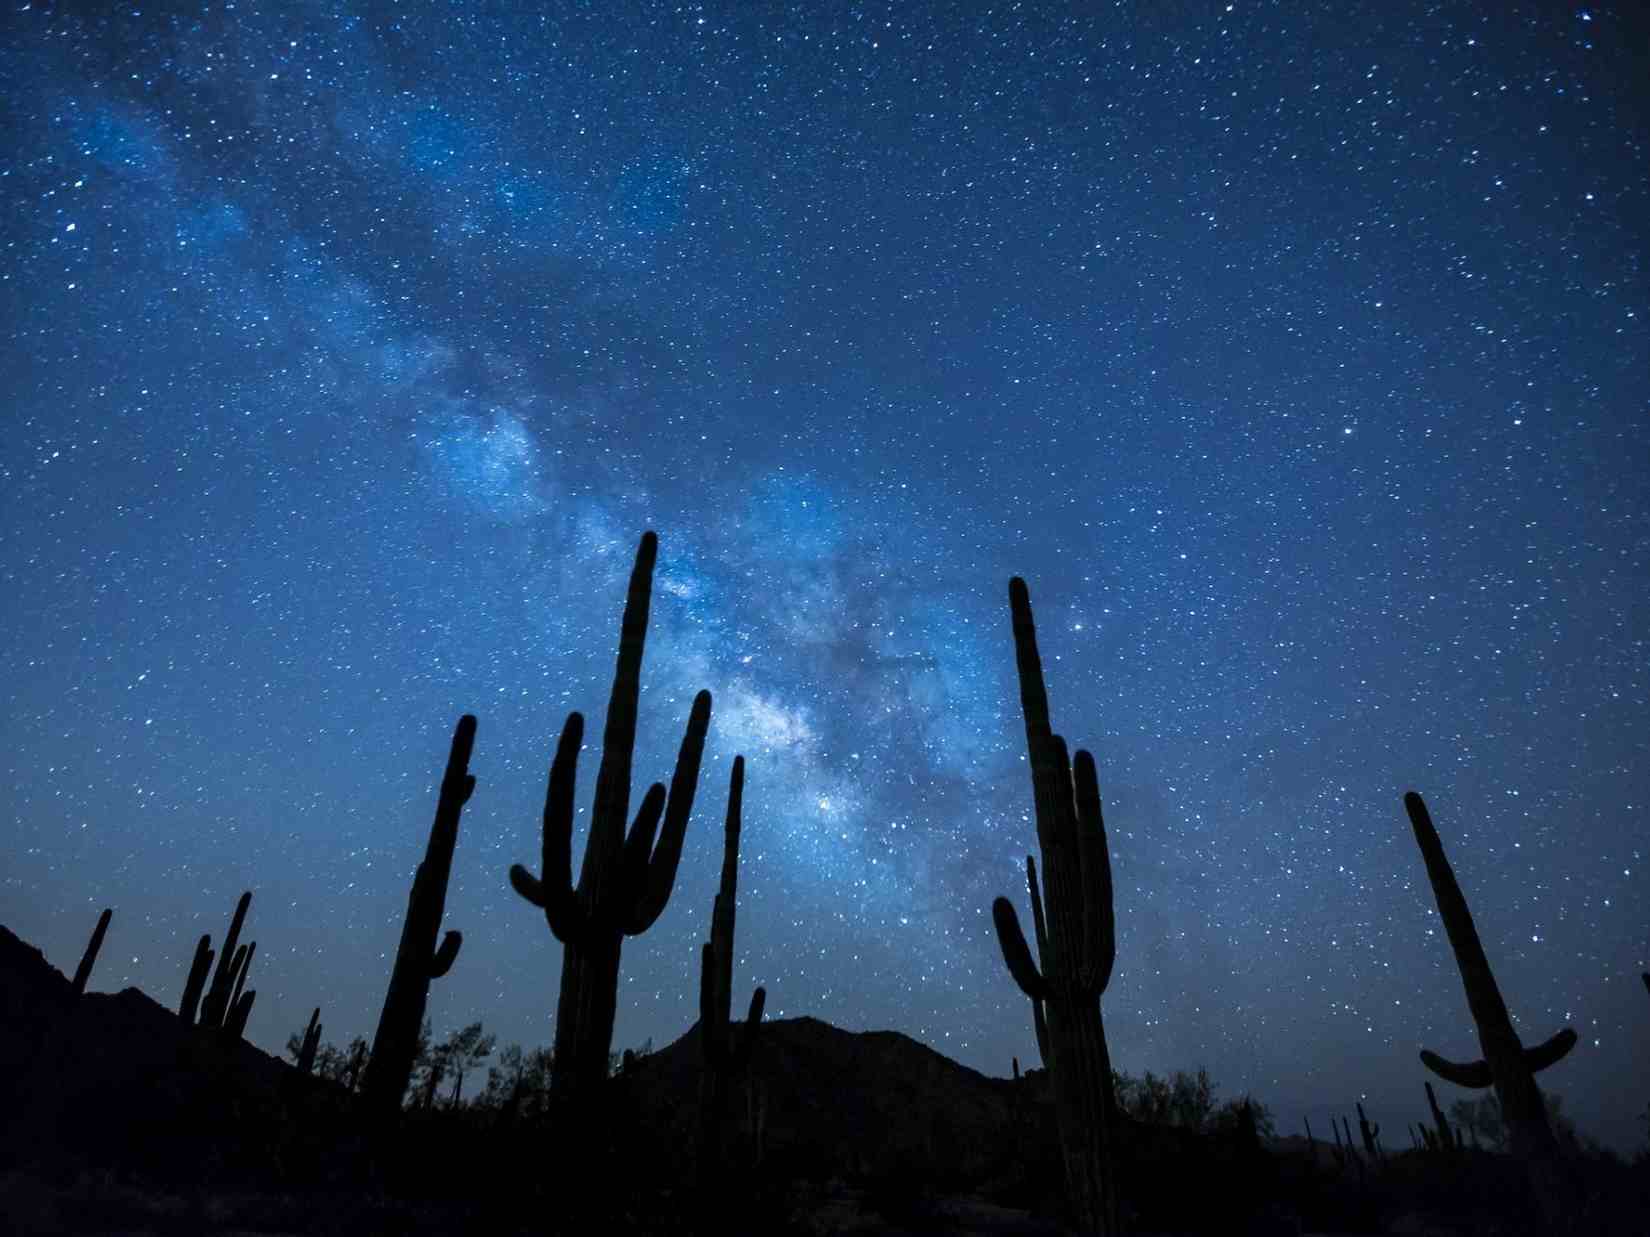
<point>1079,946</point>
<point>726,1056</point>
<point>626,880</point>
<point>88,960</point>
<point>1506,1065</point>
<point>419,959</point>
<point>215,1005</point>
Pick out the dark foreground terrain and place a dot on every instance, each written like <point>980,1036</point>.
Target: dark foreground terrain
<point>121,1119</point>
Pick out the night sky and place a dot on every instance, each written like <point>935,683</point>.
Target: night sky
<point>1296,355</point>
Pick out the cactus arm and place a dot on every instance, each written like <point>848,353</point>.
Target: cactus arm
<point>1474,1074</point>
<point>1100,928</point>
<point>1549,1051</point>
<point>1016,953</point>
<point>198,969</point>
<point>446,955</point>
<point>638,843</point>
<point>667,856</point>
<point>1039,1018</point>
<point>83,972</point>
<point>235,1024</point>
<point>554,894</point>
<point>241,972</point>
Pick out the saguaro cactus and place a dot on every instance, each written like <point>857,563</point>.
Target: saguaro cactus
<point>1369,1132</point>
<point>234,1023</point>
<point>215,1005</point>
<point>311,1044</point>
<point>1447,1139</point>
<point>625,881</point>
<point>1507,1064</point>
<point>192,986</point>
<point>1080,945</point>
<point>419,960</point>
<point>88,960</point>
<point>726,1055</point>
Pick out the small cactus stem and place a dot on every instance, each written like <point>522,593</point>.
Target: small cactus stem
<point>88,960</point>
<point>241,972</point>
<point>1506,1064</point>
<point>215,1005</point>
<point>1367,1131</point>
<point>234,1025</point>
<point>1310,1141</point>
<point>196,981</point>
<point>1078,947</point>
<point>626,880</point>
<point>1446,1137</point>
<point>312,1042</point>
<point>419,959</point>
<point>1016,1063</point>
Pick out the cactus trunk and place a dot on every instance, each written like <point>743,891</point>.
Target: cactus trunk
<point>725,1055</point>
<point>312,1042</point>
<point>418,960</point>
<point>88,960</point>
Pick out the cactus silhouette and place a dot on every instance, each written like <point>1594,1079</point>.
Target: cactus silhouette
<point>215,1005</point>
<point>1079,946</point>
<point>88,960</point>
<point>1446,1138</point>
<point>1039,928</point>
<point>1369,1132</point>
<point>626,880</point>
<point>418,960</point>
<point>196,982</point>
<point>726,1054</point>
<point>1507,1064</point>
<point>234,1023</point>
<point>243,958</point>
<point>311,1044</point>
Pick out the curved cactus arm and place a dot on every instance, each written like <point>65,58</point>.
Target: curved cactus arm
<point>83,972</point>
<point>650,900</point>
<point>553,892</point>
<point>1474,1074</point>
<point>446,954</point>
<point>1100,920</point>
<point>1549,1051</point>
<point>1016,953</point>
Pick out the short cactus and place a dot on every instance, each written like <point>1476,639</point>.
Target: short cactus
<point>311,1044</point>
<point>1446,1138</point>
<point>418,960</point>
<point>88,960</point>
<point>1075,958</point>
<point>234,1023</point>
<point>1370,1133</point>
<point>625,881</point>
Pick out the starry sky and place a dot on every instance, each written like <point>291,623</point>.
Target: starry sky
<point>1295,354</point>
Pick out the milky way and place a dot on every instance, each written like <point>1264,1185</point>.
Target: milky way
<point>1295,355</point>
